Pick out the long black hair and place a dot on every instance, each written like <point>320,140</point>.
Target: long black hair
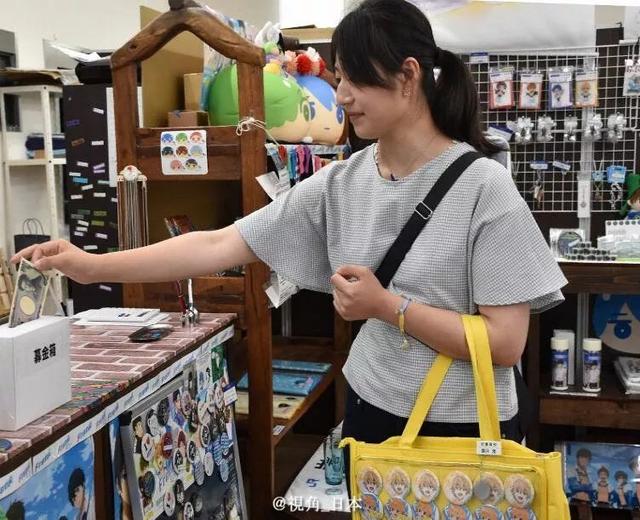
<point>374,39</point>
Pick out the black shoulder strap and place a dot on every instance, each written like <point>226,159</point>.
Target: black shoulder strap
<point>421,216</point>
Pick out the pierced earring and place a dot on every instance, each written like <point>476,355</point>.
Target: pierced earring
<point>406,93</point>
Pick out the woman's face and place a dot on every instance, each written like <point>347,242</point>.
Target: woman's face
<point>373,111</point>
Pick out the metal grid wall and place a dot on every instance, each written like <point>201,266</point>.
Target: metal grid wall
<point>560,188</point>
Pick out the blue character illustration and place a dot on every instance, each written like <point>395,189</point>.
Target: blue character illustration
<point>634,466</point>
<point>615,321</point>
<point>621,497</point>
<point>196,150</point>
<point>579,479</point>
<point>167,151</point>
<point>167,138</point>
<point>178,415</point>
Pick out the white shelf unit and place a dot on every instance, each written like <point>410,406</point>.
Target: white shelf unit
<point>50,116</point>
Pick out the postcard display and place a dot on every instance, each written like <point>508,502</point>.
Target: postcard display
<point>179,448</point>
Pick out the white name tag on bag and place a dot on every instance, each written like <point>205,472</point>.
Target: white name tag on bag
<point>489,448</point>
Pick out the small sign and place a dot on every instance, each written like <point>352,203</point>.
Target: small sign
<point>491,448</point>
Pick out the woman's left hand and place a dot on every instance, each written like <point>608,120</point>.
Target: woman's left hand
<point>357,293</point>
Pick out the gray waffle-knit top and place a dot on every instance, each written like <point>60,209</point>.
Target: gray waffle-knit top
<point>481,247</point>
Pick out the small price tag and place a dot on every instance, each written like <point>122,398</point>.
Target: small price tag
<point>230,395</point>
<point>616,174</point>
<point>561,165</point>
<point>489,448</point>
<point>539,165</point>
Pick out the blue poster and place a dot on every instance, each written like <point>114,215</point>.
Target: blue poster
<point>616,321</point>
<point>63,490</point>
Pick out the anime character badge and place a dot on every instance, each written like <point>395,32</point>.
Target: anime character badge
<point>169,503</point>
<point>458,490</point>
<point>178,461</point>
<point>198,472</point>
<point>397,483</point>
<point>369,481</point>
<point>370,507</point>
<point>426,488</point>
<point>224,470</point>
<point>192,452</point>
<point>147,447</point>
<point>209,464</point>
<point>188,511</point>
<point>519,492</point>
<point>178,491</point>
<point>488,489</point>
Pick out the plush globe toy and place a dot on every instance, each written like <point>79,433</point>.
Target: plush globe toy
<point>287,110</point>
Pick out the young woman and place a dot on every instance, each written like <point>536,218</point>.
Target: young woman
<point>481,251</point>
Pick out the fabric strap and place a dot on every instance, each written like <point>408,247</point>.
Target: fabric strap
<point>480,353</point>
<point>420,216</point>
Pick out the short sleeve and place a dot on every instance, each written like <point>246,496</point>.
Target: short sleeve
<point>510,259</point>
<point>290,234</point>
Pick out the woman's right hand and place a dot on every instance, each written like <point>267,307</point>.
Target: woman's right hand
<point>72,261</point>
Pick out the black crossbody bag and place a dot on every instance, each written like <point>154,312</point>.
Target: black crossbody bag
<point>414,226</point>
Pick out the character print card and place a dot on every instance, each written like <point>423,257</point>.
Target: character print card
<point>184,152</point>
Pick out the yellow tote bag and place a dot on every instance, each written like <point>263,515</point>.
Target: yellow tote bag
<point>439,478</point>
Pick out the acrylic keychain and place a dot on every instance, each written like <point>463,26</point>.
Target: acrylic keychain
<point>501,88</point>
<point>426,488</point>
<point>458,489</point>
<point>598,179</point>
<point>523,132</point>
<point>560,87</point>
<point>616,125</point>
<point>586,95</point>
<point>616,176</point>
<point>631,86</point>
<point>545,129</point>
<point>538,190</point>
<point>570,129</point>
<point>530,90</point>
<point>593,128</point>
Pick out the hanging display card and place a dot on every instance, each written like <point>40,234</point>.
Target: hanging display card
<point>184,152</point>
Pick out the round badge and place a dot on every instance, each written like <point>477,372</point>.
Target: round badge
<point>194,422</point>
<point>198,472</point>
<point>458,488</point>
<point>148,484</point>
<point>192,452</point>
<point>189,513</point>
<point>397,507</point>
<point>205,435</point>
<point>169,503</point>
<point>163,412</point>
<point>488,488</point>
<point>209,465</point>
<point>518,491</point>
<point>147,447</point>
<point>426,486</point>
<point>203,412</point>
<point>198,503</point>
<point>370,506</point>
<point>225,443</point>
<point>153,427</point>
<point>217,450</point>
<point>211,406</point>
<point>182,442</point>
<point>224,470</point>
<point>489,512</point>
<point>5,445</point>
<point>186,403</point>
<point>178,461</point>
<point>369,481</point>
<point>397,483</point>
<point>167,445</point>
<point>178,491</point>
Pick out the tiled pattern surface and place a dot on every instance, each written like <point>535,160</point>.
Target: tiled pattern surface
<point>104,363</point>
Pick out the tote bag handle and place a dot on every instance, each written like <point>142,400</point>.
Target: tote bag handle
<point>480,354</point>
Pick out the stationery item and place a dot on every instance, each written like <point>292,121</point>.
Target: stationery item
<point>501,94</point>
<point>184,152</point>
<point>29,295</point>
<point>591,364</point>
<point>287,382</point>
<point>559,363</point>
<point>586,95</point>
<point>530,90</point>
<point>560,87</point>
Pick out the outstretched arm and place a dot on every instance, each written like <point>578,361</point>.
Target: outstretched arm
<point>194,254</point>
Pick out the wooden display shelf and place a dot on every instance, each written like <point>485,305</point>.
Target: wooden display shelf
<point>612,278</point>
<point>211,294</point>
<point>223,154</point>
<point>302,349</point>
<point>611,408</point>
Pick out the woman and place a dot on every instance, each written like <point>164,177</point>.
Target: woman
<point>481,251</point>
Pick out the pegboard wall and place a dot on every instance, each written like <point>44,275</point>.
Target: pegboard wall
<point>584,158</point>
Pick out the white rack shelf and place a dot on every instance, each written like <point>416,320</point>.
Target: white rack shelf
<point>36,162</point>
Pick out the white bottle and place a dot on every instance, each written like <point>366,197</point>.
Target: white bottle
<point>559,363</point>
<point>571,336</point>
<point>591,364</point>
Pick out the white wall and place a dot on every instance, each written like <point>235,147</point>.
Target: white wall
<point>93,24</point>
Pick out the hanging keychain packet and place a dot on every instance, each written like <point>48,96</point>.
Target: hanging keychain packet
<point>560,87</point>
<point>501,95</point>
<point>586,94</point>
<point>631,86</point>
<point>530,90</point>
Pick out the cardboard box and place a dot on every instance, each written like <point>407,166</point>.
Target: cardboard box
<point>35,370</point>
<point>192,90</point>
<point>187,118</point>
